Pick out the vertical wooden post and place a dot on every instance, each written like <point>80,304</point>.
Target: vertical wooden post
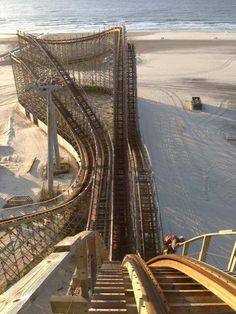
<point>50,145</point>
<point>232,260</point>
<point>185,249</point>
<point>82,268</point>
<point>92,256</point>
<point>204,248</point>
<point>54,133</point>
<point>99,253</point>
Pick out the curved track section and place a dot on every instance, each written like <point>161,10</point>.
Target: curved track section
<point>113,190</point>
<point>165,284</point>
<point>190,286</point>
<point>177,284</point>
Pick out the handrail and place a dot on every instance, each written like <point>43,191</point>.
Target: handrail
<point>219,233</point>
<point>206,238</point>
<point>86,249</point>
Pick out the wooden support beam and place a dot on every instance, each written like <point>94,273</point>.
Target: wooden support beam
<point>82,268</point>
<point>204,248</point>
<point>185,249</point>
<point>68,304</point>
<point>232,260</point>
<point>19,295</point>
<point>71,243</point>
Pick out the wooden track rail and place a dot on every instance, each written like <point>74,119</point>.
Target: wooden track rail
<point>166,284</point>
<point>190,286</point>
<point>113,184</point>
<point>146,217</point>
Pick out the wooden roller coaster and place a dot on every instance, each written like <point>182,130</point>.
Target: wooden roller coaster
<point>113,191</point>
<point>112,196</point>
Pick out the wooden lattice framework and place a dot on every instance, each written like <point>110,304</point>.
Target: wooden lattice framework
<point>113,190</point>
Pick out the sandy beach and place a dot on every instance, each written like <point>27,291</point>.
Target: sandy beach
<point>22,144</point>
<point>193,163</point>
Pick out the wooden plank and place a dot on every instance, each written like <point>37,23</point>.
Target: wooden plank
<point>108,304</point>
<point>180,286</point>
<point>232,260</point>
<point>68,304</point>
<point>18,296</point>
<point>198,308</point>
<point>190,296</point>
<point>69,243</point>
<point>174,279</point>
<point>107,311</point>
<point>109,296</point>
<point>219,283</point>
<point>204,248</point>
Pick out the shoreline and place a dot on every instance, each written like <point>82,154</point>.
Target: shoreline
<point>193,35</point>
<point>152,41</point>
<point>183,35</point>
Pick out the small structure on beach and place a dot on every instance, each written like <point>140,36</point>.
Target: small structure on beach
<point>18,200</point>
<point>196,103</point>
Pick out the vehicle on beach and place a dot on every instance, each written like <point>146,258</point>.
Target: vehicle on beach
<point>196,103</point>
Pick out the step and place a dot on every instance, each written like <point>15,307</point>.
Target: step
<point>106,311</point>
<point>129,292</point>
<point>198,308</point>
<point>107,279</point>
<point>194,296</point>
<point>109,275</point>
<point>109,284</point>
<point>109,296</point>
<point>157,269</point>
<point>166,272</point>
<point>174,279</point>
<point>111,272</point>
<point>181,286</point>
<point>110,304</point>
<point>108,289</point>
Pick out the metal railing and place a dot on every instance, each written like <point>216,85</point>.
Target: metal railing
<point>204,250</point>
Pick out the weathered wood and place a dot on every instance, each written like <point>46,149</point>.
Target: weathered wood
<point>82,269</point>
<point>198,308</point>
<point>218,282</point>
<point>69,243</point>
<point>190,296</point>
<point>19,295</point>
<point>68,304</point>
<point>205,245</point>
<point>232,260</point>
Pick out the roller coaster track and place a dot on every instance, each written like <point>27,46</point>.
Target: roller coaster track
<point>146,220</point>
<point>177,284</point>
<point>112,195</point>
<point>168,283</point>
<point>113,184</point>
<point>165,284</point>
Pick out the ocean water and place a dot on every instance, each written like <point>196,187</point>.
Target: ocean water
<point>138,15</point>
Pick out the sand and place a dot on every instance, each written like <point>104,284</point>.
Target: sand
<point>21,142</point>
<point>193,162</point>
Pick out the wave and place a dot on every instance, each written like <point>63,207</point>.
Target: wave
<point>91,26</point>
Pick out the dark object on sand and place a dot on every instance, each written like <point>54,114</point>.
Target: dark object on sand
<point>196,103</point>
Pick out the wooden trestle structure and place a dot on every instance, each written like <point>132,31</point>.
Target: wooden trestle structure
<point>96,113</point>
<point>167,284</point>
